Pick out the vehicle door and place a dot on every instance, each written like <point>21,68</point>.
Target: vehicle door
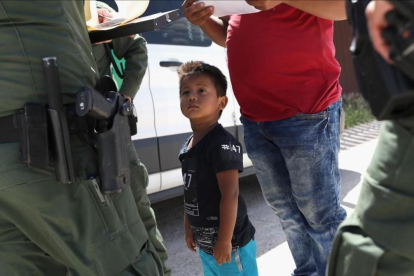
<point>168,48</point>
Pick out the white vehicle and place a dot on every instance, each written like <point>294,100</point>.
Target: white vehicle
<point>161,127</point>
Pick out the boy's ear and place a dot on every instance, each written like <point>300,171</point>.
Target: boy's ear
<point>223,102</point>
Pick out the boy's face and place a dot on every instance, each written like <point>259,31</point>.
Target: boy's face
<point>199,100</point>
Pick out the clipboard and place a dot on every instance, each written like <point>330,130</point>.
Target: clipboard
<point>140,25</point>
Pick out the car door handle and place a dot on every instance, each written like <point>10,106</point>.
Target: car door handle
<point>170,63</point>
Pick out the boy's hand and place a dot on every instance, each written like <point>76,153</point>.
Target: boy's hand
<point>222,252</point>
<point>196,13</point>
<point>263,5</point>
<point>189,240</point>
<point>189,237</point>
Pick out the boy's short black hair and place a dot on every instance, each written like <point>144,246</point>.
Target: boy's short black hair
<point>193,68</point>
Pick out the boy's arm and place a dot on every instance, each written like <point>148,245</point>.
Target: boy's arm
<point>215,28</point>
<point>228,182</point>
<point>189,238</point>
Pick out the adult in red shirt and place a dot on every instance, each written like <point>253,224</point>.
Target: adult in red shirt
<point>285,78</point>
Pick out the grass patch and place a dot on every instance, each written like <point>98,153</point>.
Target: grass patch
<point>356,109</point>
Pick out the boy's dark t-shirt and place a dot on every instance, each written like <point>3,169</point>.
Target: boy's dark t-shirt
<point>218,151</point>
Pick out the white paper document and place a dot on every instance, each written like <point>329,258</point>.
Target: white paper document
<point>127,11</point>
<point>222,8</point>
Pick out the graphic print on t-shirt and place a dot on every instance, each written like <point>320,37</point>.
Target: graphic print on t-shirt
<point>231,147</point>
<point>190,187</point>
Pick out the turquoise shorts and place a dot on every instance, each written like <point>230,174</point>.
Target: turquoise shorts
<point>243,262</point>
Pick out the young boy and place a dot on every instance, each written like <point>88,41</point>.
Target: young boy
<point>215,214</point>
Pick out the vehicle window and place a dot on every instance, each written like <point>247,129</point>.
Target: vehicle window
<point>180,32</point>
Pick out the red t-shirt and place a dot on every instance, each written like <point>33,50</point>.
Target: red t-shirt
<point>282,62</point>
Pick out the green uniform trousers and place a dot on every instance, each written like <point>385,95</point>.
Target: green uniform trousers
<point>139,176</point>
<point>47,228</point>
<point>378,238</point>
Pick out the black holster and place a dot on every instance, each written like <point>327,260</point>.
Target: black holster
<point>33,129</point>
<point>43,135</point>
<point>111,112</point>
<point>62,154</point>
<point>43,132</point>
<point>113,153</point>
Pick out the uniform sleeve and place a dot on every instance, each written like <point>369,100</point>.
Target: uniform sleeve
<point>225,155</point>
<point>405,7</point>
<point>134,51</point>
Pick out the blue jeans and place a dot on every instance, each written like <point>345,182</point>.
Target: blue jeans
<point>243,263</point>
<point>296,162</point>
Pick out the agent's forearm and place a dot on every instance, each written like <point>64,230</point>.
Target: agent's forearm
<point>405,7</point>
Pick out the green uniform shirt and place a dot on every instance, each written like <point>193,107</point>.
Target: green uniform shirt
<point>377,239</point>
<point>47,228</point>
<point>59,23</point>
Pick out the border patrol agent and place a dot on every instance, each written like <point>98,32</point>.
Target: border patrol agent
<point>134,51</point>
<point>377,239</point>
<point>47,228</point>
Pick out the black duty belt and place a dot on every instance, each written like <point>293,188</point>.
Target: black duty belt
<point>10,126</point>
<point>9,129</point>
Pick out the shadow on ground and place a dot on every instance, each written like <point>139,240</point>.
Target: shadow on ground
<point>269,232</point>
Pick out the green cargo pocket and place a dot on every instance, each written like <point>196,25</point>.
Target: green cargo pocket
<point>354,253</point>
<point>117,211</point>
<point>146,263</point>
<point>125,233</point>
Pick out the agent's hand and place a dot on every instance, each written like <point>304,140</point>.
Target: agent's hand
<point>196,13</point>
<point>104,15</point>
<point>222,252</point>
<point>263,5</point>
<point>127,97</point>
<point>375,13</point>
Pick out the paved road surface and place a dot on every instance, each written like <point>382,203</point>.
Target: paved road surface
<point>274,257</point>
